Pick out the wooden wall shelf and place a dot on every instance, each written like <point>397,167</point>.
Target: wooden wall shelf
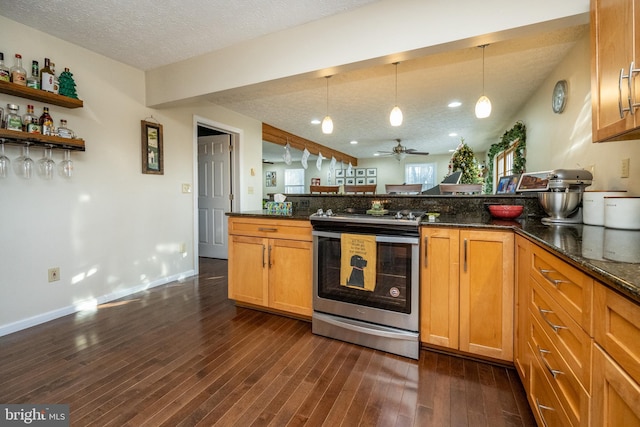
<point>22,138</point>
<point>40,95</point>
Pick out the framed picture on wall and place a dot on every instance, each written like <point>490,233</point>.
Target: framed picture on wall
<point>372,180</point>
<point>361,172</point>
<point>270,179</point>
<point>372,171</point>
<point>361,181</point>
<point>339,173</point>
<point>152,151</point>
<point>351,172</point>
<point>350,181</point>
<point>339,181</point>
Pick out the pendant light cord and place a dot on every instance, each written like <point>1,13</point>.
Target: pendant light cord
<point>396,64</point>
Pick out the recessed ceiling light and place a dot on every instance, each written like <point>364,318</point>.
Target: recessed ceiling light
<point>453,134</point>
<point>454,104</point>
<point>315,122</point>
<point>354,142</point>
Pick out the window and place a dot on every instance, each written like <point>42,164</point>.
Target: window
<point>421,173</point>
<point>294,181</point>
<point>504,163</point>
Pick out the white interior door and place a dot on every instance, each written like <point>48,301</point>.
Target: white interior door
<point>214,190</point>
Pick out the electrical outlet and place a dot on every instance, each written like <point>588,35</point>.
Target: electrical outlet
<point>592,169</point>
<point>250,190</point>
<point>186,188</point>
<point>54,274</point>
<point>304,203</point>
<point>183,248</point>
<point>624,168</point>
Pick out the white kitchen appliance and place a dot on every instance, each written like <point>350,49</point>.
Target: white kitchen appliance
<point>563,201</point>
<point>593,205</point>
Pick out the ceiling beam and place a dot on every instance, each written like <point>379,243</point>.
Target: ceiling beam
<point>281,137</point>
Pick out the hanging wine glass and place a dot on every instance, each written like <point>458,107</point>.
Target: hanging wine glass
<point>46,165</point>
<point>24,164</point>
<point>65,167</point>
<point>4,162</point>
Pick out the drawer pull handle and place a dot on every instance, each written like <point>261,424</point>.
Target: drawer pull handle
<point>270,260</point>
<point>555,327</point>
<point>267,229</point>
<point>553,372</point>
<point>554,282</point>
<point>540,408</point>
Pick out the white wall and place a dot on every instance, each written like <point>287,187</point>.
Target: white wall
<point>564,140</point>
<point>110,229</point>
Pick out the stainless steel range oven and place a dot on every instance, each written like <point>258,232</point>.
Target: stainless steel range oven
<point>366,280</point>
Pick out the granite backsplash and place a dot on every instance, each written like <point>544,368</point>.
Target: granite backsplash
<point>472,205</point>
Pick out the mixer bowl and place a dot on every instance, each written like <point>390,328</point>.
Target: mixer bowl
<point>560,205</point>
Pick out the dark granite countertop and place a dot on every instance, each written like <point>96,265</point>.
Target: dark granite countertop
<point>600,252</point>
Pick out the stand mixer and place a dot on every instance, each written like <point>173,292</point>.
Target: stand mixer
<point>563,201</point>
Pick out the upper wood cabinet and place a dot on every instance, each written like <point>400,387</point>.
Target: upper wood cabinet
<point>615,57</point>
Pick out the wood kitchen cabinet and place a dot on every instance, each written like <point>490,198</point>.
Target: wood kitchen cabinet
<point>467,290</point>
<point>616,359</point>
<point>271,264</point>
<point>521,352</point>
<point>615,63</point>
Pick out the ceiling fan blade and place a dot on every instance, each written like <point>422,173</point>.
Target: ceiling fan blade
<point>414,151</point>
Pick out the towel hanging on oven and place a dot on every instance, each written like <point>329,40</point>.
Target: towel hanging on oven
<point>358,261</point>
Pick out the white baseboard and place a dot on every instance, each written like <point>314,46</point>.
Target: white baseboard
<point>87,304</point>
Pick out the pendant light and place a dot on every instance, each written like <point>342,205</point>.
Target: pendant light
<point>396,114</point>
<point>327,123</point>
<point>483,106</point>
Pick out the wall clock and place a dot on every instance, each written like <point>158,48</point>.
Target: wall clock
<point>559,97</point>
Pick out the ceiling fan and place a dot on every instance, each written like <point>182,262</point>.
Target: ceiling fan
<point>400,151</point>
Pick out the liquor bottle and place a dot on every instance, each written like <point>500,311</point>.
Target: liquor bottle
<point>30,122</point>
<point>46,77</point>
<point>13,121</point>
<point>5,74</point>
<point>34,80</point>
<point>64,131</point>
<point>18,74</point>
<point>46,122</point>
<point>56,82</point>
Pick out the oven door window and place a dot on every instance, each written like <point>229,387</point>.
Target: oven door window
<point>392,290</point>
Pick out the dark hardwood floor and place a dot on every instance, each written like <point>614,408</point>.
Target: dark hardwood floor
<point>182,354</point>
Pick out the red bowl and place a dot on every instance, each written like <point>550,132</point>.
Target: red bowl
<point>506,211</point>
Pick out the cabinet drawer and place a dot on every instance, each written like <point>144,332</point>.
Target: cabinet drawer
<point>567,285</point>
<point>545,404</point>
<point>572,395</point>
<point>276,228</point>
<point>617,328</point>
<point>573,343</point>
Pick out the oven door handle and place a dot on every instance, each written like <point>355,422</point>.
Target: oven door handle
<point>379,238</point>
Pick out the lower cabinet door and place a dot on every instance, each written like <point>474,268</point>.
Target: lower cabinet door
<point>248,259</point>
<point>290,276</point>
<point>486,293</point>
<point>615,394</point>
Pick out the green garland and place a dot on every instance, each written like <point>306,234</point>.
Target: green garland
<point>517,132</point>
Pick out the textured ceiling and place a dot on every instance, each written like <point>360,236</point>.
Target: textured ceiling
<point>147,34</point>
